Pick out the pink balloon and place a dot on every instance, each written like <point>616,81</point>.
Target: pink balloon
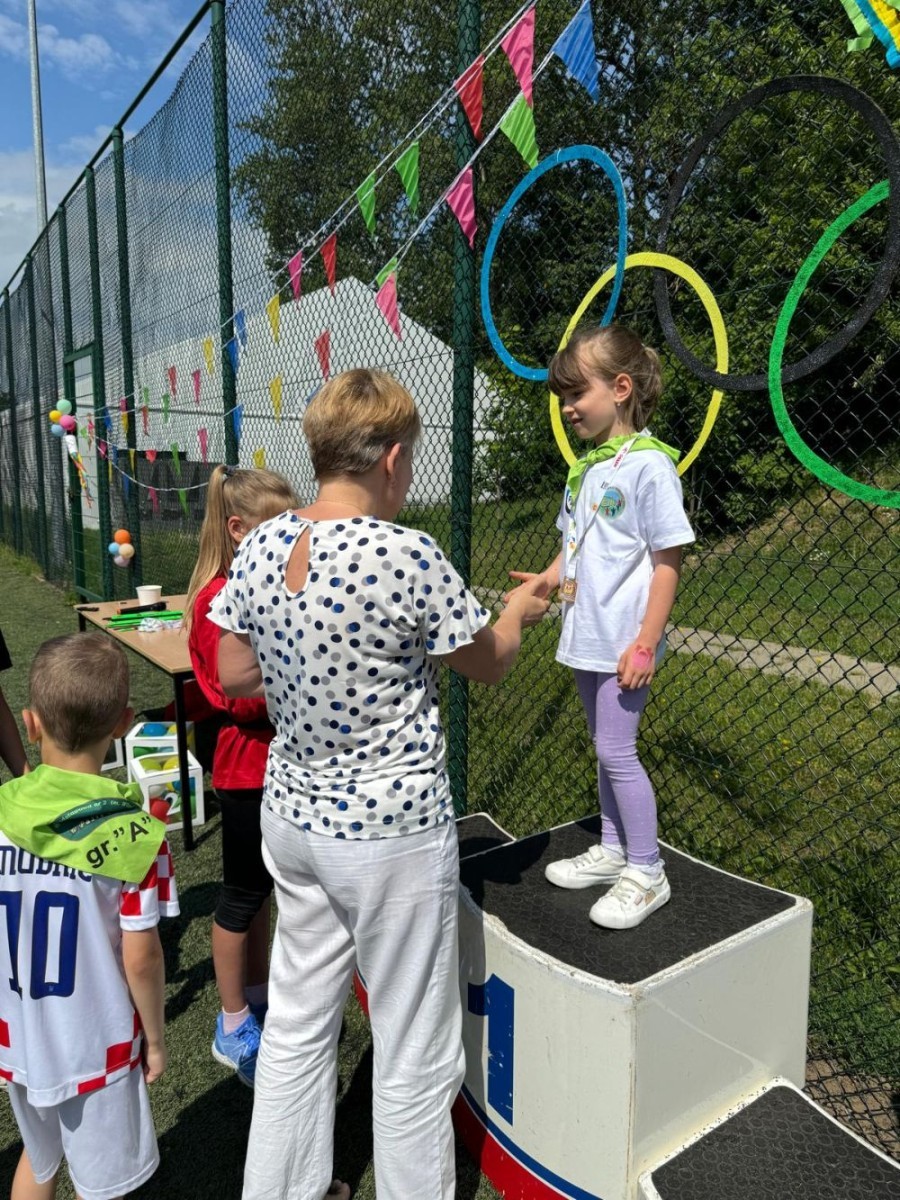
<point>68,423</point>
<point>120,561</point>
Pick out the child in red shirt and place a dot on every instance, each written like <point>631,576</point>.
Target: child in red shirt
<point>237,501</point>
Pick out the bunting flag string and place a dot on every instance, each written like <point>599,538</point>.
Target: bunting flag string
<point>209,356</point>
<point>323,352</point>
<point>275,396</point>
<point>386,270</point>
<point>875,18</point>
<point>172,381</point>
<point>176,462</point>
<point>407,167</point>
<point>123,409</point>
<point>518,125</point>
<point>182,500</point>
<point>195,379</point>
<point>295,271</point>
<point>240,327</point>
<point>259,459</point>
<point>365,198</point>
<point>470,89</point>
<point>154,500</point>
<point>203,439</point>
<point>145,413</point>
<point>273,312</point>
<point>329,258</point>
<point>231,348</point>
<point>575,46</point>
<point>518,45</point>
<point>237,420</point>
<point>461,199</point>
<point>386,299</point>
<point>150,455</point>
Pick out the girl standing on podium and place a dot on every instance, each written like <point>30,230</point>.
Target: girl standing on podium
<point>623,525</point>
<point>237,501</point>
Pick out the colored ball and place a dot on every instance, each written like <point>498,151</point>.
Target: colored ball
<point>57,431</point>
<point>126,550</point>
<point>122,536</point>
<point>171,764</point>
<point>120,561</point>
<point>69,424</point>
<point>65,407</point>
<point>113,548</point>
<point>55,414</point>
<point>152,729</point>
<point>160,809</point>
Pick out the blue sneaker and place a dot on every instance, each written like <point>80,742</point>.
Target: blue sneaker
<point>238,1050</point>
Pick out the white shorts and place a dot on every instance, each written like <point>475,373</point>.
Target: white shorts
<point>107,1137</point>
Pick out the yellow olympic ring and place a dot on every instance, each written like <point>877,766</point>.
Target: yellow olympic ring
<point>649,258</point>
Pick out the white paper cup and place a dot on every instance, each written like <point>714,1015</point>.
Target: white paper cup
<point>149,593</point>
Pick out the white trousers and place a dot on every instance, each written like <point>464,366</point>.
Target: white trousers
<point>388,906</point>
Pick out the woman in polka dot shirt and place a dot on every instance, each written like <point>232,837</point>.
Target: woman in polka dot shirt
<point>340,617</point>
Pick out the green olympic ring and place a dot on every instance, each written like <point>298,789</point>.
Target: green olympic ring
<point>804,454</point>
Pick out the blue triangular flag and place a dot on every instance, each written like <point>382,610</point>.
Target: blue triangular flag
<point>313,393</point>
<point>240,325</point>
<point>107,419</point>
<point>231,347</point>
<point>575,46</point>
<point>237,416</point>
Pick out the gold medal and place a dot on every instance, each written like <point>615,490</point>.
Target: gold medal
<point>567,590</point>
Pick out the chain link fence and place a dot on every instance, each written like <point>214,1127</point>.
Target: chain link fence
<point>746,137</point>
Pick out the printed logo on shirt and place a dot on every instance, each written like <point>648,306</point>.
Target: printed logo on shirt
<point>567,502</point>
<point>612,504</point>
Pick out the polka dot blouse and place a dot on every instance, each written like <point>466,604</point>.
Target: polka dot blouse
<point>348,668</point>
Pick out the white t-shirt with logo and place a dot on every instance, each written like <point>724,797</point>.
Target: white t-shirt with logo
<point>641,509</point>
<point>350,670</point>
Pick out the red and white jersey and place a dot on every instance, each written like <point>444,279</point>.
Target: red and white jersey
<point>67,1024</point>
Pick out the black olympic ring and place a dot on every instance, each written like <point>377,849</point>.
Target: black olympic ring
<point>880,285</point>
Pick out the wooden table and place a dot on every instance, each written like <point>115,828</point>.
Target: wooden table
<point>168,651</point>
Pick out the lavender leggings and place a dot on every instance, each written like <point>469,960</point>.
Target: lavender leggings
<point>627,803</point>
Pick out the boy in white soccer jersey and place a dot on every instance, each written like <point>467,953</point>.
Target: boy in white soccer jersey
<point>85,874</point>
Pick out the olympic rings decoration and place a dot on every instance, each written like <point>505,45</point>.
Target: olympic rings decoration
<point>663,262</point>
<point>570,154</point>
<point>865,107</point>
<point>822,470</point>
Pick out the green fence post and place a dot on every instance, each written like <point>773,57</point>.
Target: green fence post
<point>223,221</point>
<point>79,577</point>
<point>133,502</point>
<point>13,426</point>
<point>99,380</point>
<point>467,43</point>
<point>40,516</point>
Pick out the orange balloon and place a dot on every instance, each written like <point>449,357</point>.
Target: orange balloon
<point>122,536</point>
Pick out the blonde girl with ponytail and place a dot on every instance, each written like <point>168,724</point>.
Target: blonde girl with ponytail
<point>237,501</point>
<point>623,525</point>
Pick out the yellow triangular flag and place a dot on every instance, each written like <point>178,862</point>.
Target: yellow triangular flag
<point>125,422</point>
<point>259,459</point>
<point>275,393</point>
<point>208,355</point>
<point>273,312</point>
<point>131,454</point>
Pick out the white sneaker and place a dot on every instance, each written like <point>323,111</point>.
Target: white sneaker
<point>633,897</point>
<point>593,868</point>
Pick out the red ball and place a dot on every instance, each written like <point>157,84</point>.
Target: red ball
<point>159,808</point>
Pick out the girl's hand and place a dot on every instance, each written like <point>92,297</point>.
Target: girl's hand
<point>528,601</point>
<point>636,666</point>
<point>542,590</point>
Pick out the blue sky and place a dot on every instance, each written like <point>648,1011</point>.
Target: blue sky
<point>95,57</point>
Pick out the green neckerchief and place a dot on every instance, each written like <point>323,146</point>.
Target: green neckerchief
<point>82,821</point>
<point>609,450</point>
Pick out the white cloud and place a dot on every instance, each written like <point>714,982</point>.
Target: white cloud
<point>18,220</point>
<point>81,59</point>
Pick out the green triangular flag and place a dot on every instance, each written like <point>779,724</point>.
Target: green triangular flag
<point>145,393</point>
<point>407,166</point>
<point>518,125</point>
<point>166,407</point>
<point>387,269</point>
<point>365,196</point>
<point>175,461</point>
<point>182,496</point>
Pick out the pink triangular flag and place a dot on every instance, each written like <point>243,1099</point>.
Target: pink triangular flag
<point>386,299</point>
<point>154,500</point>
<point>203,439</point>
<point>295,270</point>
<point>461,199</point>
<point>151,456</point>
<point>123,405</point>
<point>519,47</point>
<point>172,375</point>
<point>329,258</point>
<point>470,89</point>
<point>323,351</point>
<point>195,376</point>
<point>101,446</point>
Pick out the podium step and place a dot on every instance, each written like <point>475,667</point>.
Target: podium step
<point>780,1146</point>
<point>477,832</point>
<point>591,1054</point>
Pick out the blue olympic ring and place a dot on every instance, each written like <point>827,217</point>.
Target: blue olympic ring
<point>570,154</point>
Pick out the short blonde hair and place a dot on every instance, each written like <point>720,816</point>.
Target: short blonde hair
<point>605,352</point>
<point>355,418</point>
<point>78,686</point>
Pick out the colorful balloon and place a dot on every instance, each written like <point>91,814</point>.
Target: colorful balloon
<point>122,536</point>
<point>65,407</point>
